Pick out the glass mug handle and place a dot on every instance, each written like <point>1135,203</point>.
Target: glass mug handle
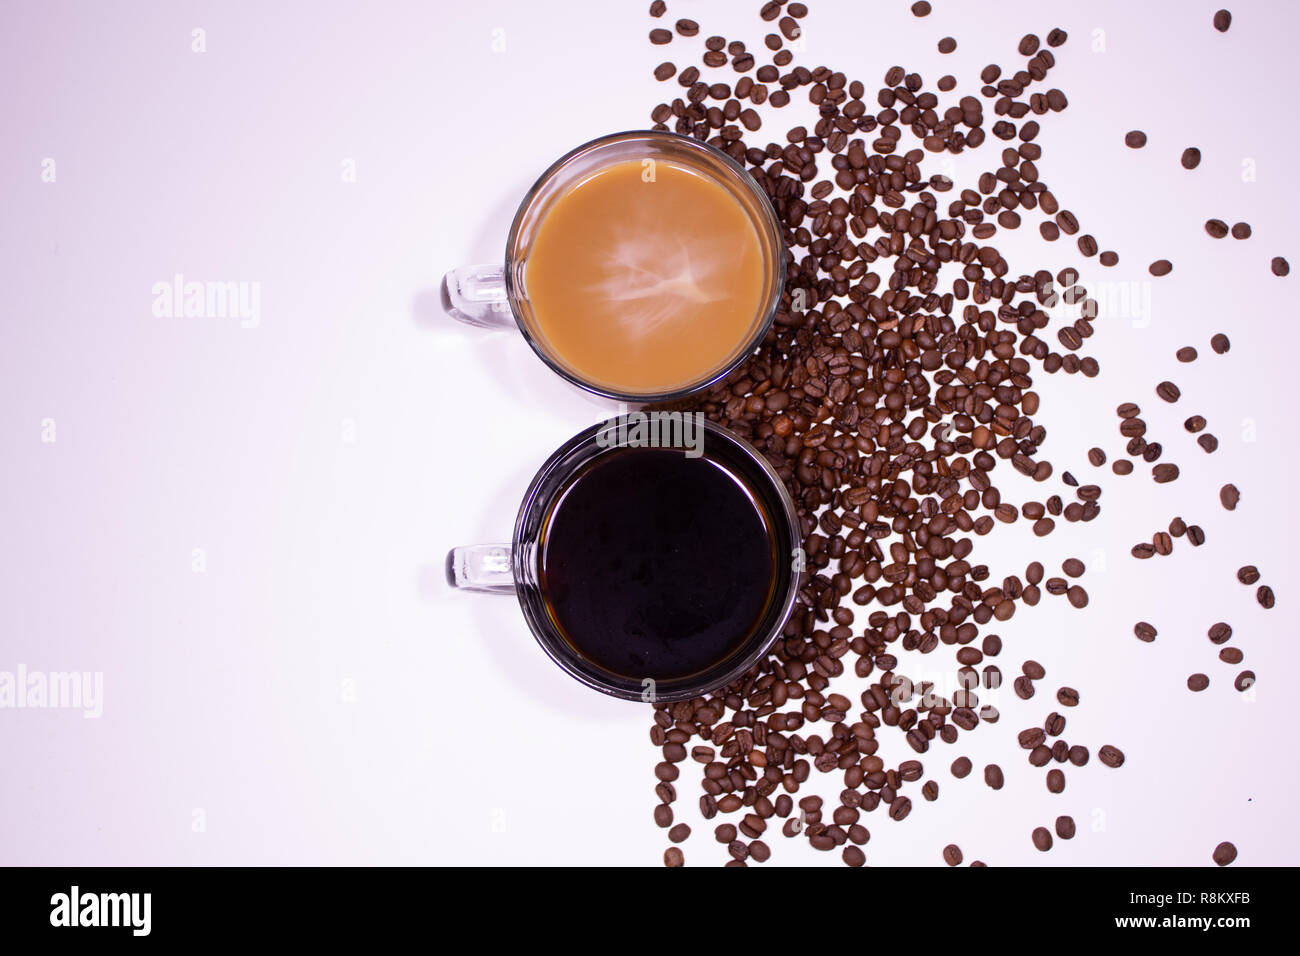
<point>477,295</point>
<point>481,567</point>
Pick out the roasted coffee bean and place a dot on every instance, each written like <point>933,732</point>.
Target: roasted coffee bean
<point>1241,230</point>
<point>1161,267</point>
<point>1077,596</point>
<point>993,776</point>
<point>1168,391</point>
<point>1078,755</point>
<point>1096,457</point>
<point>1186,354</point>
<point>1220,343</point>
<point>687,28</point>
<point>952,855</point>
<point>853,856</point>
<point>1208,443</point>
<point>1248,574</point>
<point>1042,839</point>
<point>1279,266</point>
<point>1231,655</point>
<point>1135,139</point>
<point>679,833</point>
<point>1144,631</point>
<point>961,767</point>
<point>663,815</point>
<point>947,45</point>
<point>1165,472</point>
<point>1244,681</point>
<point>1225,852</point>
<point>657,8</point>
<point>921,8</point>
<point>1191,157</point>
<point>1122,467</point>
<point>1067,697</point>
<point>1073,567</point>
<point>660,37</point>
<point>1222,20</point>
<point>1220,633</point>
<point>1065,827</point>
<point>1111,756</point>
<point>1055,781</point>
<point>1264,595</point>
<point>1229,496</point>
<point>1216,228</point>
<point>1195,535</point>
<point>673,857</point>
<point>1198,682</point>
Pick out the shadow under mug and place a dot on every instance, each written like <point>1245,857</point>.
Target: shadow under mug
<point>493,296</point>
<point>516,568</point>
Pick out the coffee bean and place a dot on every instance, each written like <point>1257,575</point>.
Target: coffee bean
<point>1042,839</point>
<point>993,776</point>
<point>1195,535</point>
<point>688,28</point>
<point>1177,527</point>
<point>1280,266</point>
<point>1225,852</point>
<point>952,855</point>
<point>900,808</point>
<point>1122,467</point>
<point>1220,343</point>
<point>1056,37</point>
<point>1068,697</point>
<point>947,45</point>
<point>1191,157</point>
<point>1055,781</point>
<point>1161,267</point>
<point>1222,20</point>
<point>673,857</point>
<point>663,815</point>
<point>1198,682</point>
<point>1264,595</point>
<point>961,767</point>
<point>1229,496</point>
<point>1245,680</point>
<point>657,8</point>
<point>1220,633</point>
<point>1217,228</point>
<point>1111,756</point>
<point>1209,444</point>
<point>1096,457</point>
<point>679,833</point>
<point>1065,827</point>
<point>1241,230</point>
<point>1135,139</point>
<point>1073,567</point>
<point>660,36</point>
<point>921,8</point>
<point>1186,354</point>
<point>1248,574</point>
<point>853,856</point>
<point>1078,755</point>
<point>1164,473</point>
<point>1168,391</point>
<point>1231,655</point>
<point>1077,596</point>
<point>1194,424</point>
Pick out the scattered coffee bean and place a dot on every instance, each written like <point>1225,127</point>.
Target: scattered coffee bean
<point>1219,633</point>
<point>673,857</point>
<point>993,776</point>
<point>1265,597</point>
<point>1217,228</point>
<point>1248,574</point>
<point>1208,443</point>
<point>921,9</point>
<point>1191,157</point>
<point>1165,472</point>
<point>1225,852</point>
<point>679,833</point>
<point>1280,266</point>
<point>1111,756</point>
<point>1245,680</point>
<point>961,767</point>
<point>952,855</point>
<point>1241,230</point>
<point>1197,683</point>
<point>1222,20</point>
<point>1135,139</point>
<point>1168,391</point>
<point>1144,631</point>
<point>660,36</point>
<point>1229,496</point>
<point>1161,267</point>
<point>1065,827</point>
<point>947,45</point>
<point>1220,343</point>
<point>1042,839</point>
<point>1231,655</point>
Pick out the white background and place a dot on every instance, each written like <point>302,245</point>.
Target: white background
<point>319,694</point>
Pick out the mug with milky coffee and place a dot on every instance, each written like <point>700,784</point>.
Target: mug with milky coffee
<point>642,266</point>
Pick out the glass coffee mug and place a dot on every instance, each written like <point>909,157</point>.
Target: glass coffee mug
<point>643,267</point>
<point>655,557</point>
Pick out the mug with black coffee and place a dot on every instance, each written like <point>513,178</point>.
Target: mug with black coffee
<point>655,556</point>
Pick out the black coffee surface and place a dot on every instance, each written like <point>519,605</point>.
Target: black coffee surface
<point>656,565</point>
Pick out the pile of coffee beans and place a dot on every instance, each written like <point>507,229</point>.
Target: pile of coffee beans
<point>896,382</point>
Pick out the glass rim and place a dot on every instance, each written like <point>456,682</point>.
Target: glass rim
<point>771,302</point>
<point>545,633</point>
